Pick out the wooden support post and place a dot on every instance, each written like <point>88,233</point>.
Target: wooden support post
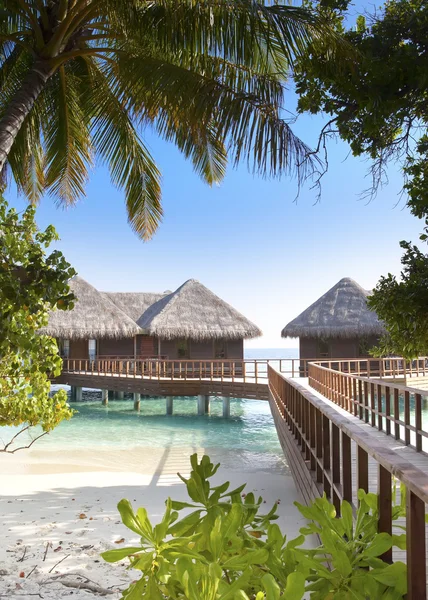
<point>201,404</point>
<point>111,395</point>
<point>119,395</point>
<point>76,393</point>
<point>207,405</point>
<point>137,401</point>
<point>169,405</point>
<point>104,397</point>
<point>226,407</point>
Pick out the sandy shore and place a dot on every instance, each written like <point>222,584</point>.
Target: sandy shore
<point>58,512</point>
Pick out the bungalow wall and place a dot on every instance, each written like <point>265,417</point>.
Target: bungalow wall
<point>235,348</point>
<point>148,346</point>
<point>202,350</point>
<point>115,347</point>
<point>336,347</point>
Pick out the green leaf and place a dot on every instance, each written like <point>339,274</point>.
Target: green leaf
<point>115,555</point>
<point>342,563</point>
<point>381,544</point>
<point>295,587</point>
<point>271,587</point>
<point>347,518</point>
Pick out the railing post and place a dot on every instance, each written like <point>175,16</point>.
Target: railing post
<point>326,454</point>
<point>319,444</point>
<point>379,407</point>
<point>385,507</point>
<point>346,468</point>
<point>407,417</point>
<point>363,469</point>
<point>416,548</point>
<point>372,404</point>
<point>388,409</point>
<point>418,421</point>
<point>312,435</point>
<point>335,456</point>
<point>396,413</point>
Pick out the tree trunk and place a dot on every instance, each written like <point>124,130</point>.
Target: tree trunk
<point>20,106</point>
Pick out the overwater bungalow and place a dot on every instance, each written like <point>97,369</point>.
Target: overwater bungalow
<point>190,323</point>
<point>337,325</point>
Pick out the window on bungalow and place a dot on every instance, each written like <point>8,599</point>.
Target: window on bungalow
<point>92,349</point>
<point>220,350</point>
<point>64,348</point>
<point>323,348</point>
<point>183,349</point>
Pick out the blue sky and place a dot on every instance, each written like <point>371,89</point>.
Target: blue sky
<point>247,240</point>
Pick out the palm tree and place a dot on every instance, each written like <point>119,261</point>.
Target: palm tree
<point>80,79</point>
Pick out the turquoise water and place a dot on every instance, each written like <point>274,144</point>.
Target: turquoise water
<point>250,425</point>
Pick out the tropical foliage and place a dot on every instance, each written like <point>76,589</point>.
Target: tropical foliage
<point>402,305</point>
<point>378,102</point>
<point>31,283</point>
<point>81,79</point>
<point>225,549</point>
<point>380,107</point>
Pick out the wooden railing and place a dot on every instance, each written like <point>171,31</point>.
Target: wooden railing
<point>255,371</point>
<point>131,357</point>
<point>392,408</point>
<point>389,368</point>
<point>325,450</point>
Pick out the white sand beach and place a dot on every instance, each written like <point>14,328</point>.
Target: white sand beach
<point>58,512</point>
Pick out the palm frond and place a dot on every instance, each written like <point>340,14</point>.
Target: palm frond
<point>66,136</point>
<point>132,167</point>
<point>249,124</point>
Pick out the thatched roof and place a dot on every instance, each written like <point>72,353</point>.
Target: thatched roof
<point>194,312</point>
<point>134,304</point>
<point>93,316</point>
<point>340,312</point>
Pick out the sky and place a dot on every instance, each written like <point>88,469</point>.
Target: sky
<point>248,240</point>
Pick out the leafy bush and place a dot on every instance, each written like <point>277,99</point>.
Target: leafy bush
<point>33,281</point>
<point>224,549</point>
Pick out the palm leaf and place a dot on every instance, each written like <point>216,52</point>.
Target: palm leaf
<point>132,168</point>
<point>67,136</point>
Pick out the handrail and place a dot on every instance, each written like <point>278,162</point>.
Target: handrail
<point>328,443</point>
<point>248,370</point>
<point>390,367</point>
<point>384,404</point>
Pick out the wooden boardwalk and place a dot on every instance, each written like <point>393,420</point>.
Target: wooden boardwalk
<point>331,450</point>
<point>418,459</point>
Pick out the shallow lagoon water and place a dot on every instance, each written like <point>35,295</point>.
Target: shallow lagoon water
<point>248,435</point>
<point>118,424</point>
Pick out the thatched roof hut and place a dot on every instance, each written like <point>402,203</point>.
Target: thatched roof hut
<point>93,316</point>
<point>342,312</point>
<point>196,313</point>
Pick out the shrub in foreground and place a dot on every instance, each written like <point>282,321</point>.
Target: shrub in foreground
<point>225,549</point>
